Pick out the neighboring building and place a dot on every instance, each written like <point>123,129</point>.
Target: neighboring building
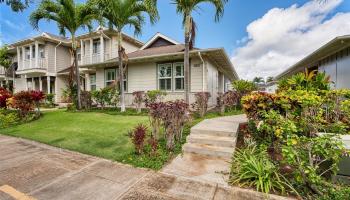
<point>332,58</point>
<point>44,63</point>
<point>271,87</point>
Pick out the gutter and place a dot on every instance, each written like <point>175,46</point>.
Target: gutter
<point>203,63</point>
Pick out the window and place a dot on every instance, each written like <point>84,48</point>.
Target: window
<point>165,76</point>
<point>27,53</point>
<point>110,76</point>
<point>96,47</point>
<point>92,82</point>
<point>179,77</point>
<point>41,52</point>
<point>33,52</point>
<point>125,82</point>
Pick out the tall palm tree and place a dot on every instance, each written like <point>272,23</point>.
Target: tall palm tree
<point>185,8</point>
<point>122,13</point>
<point>258,80</point>
<point>69,16</point>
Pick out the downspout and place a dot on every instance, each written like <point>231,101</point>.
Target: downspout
<point>203,63</point>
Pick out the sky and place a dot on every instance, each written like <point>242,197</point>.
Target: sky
<point>262,37</point>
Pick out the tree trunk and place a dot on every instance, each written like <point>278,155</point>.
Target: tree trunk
<point>121,72</point>
<point>187,59</point>
<point>77,74</point>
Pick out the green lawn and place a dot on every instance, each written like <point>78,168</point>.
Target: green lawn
<point>93,133</point>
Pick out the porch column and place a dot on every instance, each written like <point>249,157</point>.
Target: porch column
<point>48,85</point>
<point>82,51</point>
<point>87,82</point>
<point>23,58</point>
<point>223,83</point>
<point>40,84</point>
<point>26,83</point>
<point>102,49</point>
<point>33,83</point>
<point>36,54</point>
<point>19,58</point>
<point>30,56</point>
<point>91,41</point>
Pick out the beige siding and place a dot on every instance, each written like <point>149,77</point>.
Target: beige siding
<point>212,82</point>
<point>63,58</point>
<point>50,56</point>
<point>20,84</point>
<point>100,78</point>
<point>60,85</point>
<point>196,75</point>
<point>129,47</point>
<point>142,77</point>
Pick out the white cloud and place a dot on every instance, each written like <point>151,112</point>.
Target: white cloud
<point>284,36</point>
<point>9,24</point>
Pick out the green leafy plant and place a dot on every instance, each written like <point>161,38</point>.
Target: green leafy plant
<point>251,167</point>
<point>50,98</point>
<point>8,118</point>
<point>152,96</point>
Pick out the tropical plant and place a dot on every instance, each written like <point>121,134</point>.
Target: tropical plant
<point>251,167</point>
<point>69,16</point>
<point>155,112</point>
<point>201,103</point>
<point>119,14</point>
<point>138,136</point>
<point>258,80</point>
<point>50,98</point>
<point>86,100</point>
<point>4,95</point>
<point>186,8</point>
<point>270,79</point>
<point>152,96</point>
<point>22,101</point>
<point>5,61</point>
<point>138,99</point>
<point>17,5</point>
<point>8,118</point>
<point>228,100</point>
<point>37,97</point>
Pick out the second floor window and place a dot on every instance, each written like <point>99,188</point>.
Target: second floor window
<point>27,53</point>
<point>96,46</point>
<point>41,53</point>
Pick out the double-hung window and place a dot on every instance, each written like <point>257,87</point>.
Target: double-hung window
<point>92,82</point>
<point>96,46</point>
<point>165,76</point>
<point>179,78</point>
<point>110,75</point>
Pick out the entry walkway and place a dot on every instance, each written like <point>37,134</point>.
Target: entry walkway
<point>208,151</point>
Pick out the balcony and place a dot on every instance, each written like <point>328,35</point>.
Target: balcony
<point>33,66</point>
<point>95,59</point>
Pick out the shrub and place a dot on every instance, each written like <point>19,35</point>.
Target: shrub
<point>153,142</point>
<point>50,98</point>
<point>243,87</point>
<point>4,95</point>
<point>37,97</point>
<point>201,103</point>
<point>152,96</point>
<point>174,115</point>
<point>251,167</point>
<point>336,194</point>
<point>155,115</point>
<point>8,118</point>
<point>86,100</point>
<point>24,102</point>
<point>138,99</point>
<point>138,136</point>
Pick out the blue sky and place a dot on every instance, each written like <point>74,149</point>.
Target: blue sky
<point>231,28</point>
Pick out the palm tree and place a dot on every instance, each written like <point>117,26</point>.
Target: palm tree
<point>122,13</point>
<point>270,79</point>
<point>185,8</point>
<point>17,5</point>
<point>69,16</point>
<point>258,80</point>
<point>5,62</point>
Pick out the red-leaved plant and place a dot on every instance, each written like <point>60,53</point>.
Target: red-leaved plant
<point>155,112</point>
<point>153,142</point>
<point>201,103</point>
<point>4,95</point>
<point>228,99</point>
<point>138,99</point>
<point>24,102</point>
<point>138,135</point>
<point>37,97</point>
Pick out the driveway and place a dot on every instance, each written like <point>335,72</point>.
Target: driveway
<point>33,171</point>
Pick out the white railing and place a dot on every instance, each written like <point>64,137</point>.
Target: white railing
<point>96,58</point>
<point>31,64</point>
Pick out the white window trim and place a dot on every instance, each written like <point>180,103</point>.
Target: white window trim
<point>170,77</point>
<point>106,76</point>
<point>175,77</point>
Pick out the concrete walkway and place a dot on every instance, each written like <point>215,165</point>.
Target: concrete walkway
<point>208,151</point>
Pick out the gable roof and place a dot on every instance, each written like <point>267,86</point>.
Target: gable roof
<point>333,46</point>
<point>44,36</point>
<point>157,37</point>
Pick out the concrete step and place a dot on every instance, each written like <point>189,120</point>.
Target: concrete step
<point>212,140</point>
<point>209,150</point>
<point>215,128</point>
